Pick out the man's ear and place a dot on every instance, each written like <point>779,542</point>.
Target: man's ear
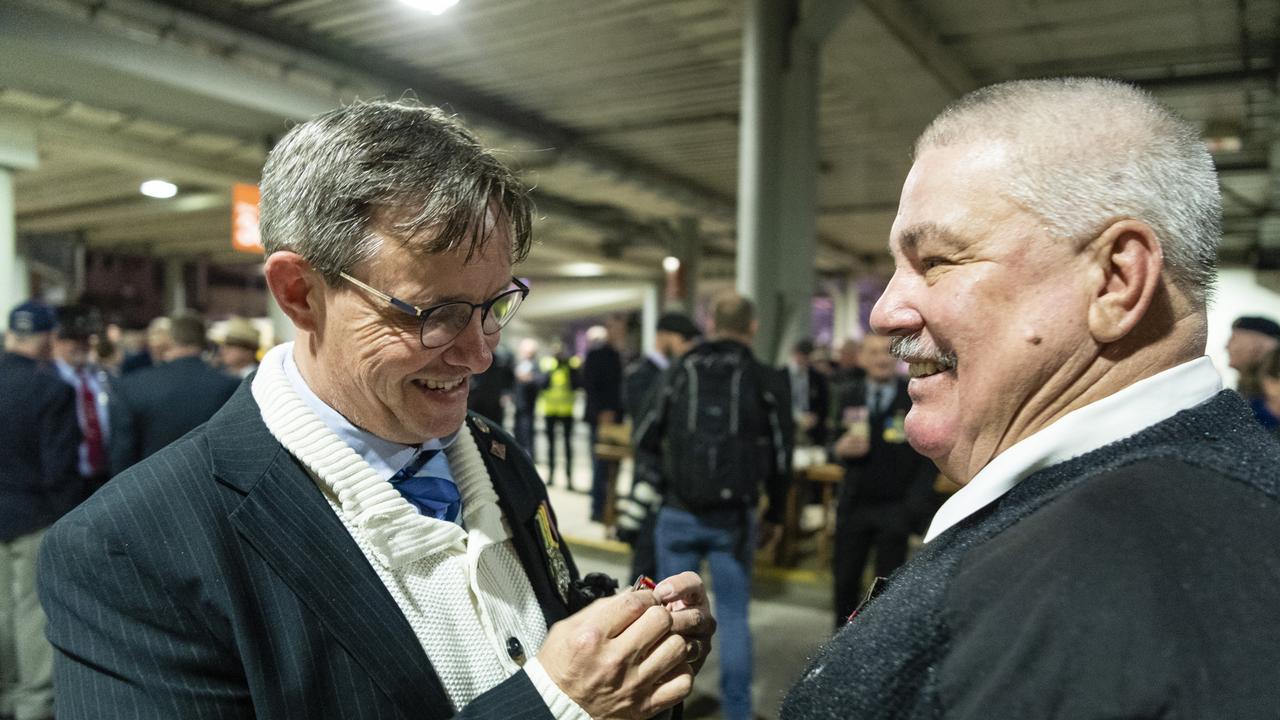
<point>297,289</point>
<point>1128,262</point>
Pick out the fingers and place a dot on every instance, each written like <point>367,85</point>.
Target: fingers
<point>649,630</point>
<point>616,614</point>
<point>693,622</point>
<point>686,586</point>
<point>666,657</point>
<point>673,688</point>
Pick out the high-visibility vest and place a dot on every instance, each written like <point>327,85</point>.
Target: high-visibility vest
<point>558,397</point>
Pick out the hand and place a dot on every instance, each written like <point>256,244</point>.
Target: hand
<point>618,658</point>
<point>607,417</point>
<point>686,598</point>
<point>852,446</point>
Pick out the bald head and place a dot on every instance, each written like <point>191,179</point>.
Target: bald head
<point>1085,153</point>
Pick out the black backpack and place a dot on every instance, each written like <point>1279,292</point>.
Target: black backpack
<point>719,428</point>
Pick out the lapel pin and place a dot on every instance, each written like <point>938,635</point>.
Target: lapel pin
<point>481,425</point>
<point>499,450</point>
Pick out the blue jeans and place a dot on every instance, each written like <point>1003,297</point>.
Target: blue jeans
<point>726,538</point>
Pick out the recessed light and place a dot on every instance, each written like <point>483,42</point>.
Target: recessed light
<point>583,269</point>
<point>671,263</point>
<point>435,7</point>
<point>158,189</point>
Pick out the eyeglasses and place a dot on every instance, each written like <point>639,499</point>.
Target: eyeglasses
<point>441,324</point>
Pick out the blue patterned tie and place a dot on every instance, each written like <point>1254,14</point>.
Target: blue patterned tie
<point>434,496</point>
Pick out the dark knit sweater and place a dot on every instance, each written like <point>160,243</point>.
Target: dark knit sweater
<point>1140,580</point>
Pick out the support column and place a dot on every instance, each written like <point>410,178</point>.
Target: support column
<point>686,246</point>
<point>798,211</point>
<point>649,316</point>
<point>17,152</point>
<point>778,164</point>
<point>175,286</point>
<point>759,153</point>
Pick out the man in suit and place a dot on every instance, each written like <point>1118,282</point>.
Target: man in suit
<point>1111,550</point>
<point>887,484</point>
<point>73,358</point>
<point>157,405</point>
<point>602,386</point>
<point>810,396</point>
<point>342,540</point>
<point>39,481</point>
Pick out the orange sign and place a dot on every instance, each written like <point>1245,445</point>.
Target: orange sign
<point>244,218</point>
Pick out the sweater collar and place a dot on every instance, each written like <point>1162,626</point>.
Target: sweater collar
<point>1115,417</point>
<point>397,534</point>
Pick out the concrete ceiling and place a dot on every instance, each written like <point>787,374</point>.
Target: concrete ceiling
<point>624,114</point>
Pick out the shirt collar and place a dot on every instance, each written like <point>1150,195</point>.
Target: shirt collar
<point>1135,408</point>
<point>384,456</point>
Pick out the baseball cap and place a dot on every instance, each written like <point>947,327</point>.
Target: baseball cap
<point>680,324</point>
<point>32,316</point>
<point>1258,324</point>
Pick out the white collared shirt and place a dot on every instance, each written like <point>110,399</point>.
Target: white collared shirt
<point>384,456</point>
<point>1129,411</point>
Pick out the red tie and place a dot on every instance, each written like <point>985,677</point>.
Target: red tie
<point>92,428</point>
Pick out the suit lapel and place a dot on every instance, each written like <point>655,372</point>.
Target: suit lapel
<point>287,520</point>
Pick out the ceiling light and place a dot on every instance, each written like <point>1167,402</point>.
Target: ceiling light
<point>435,7</point>
<point>583,269</point>
<point>158,189</point>
<point>671,263</point>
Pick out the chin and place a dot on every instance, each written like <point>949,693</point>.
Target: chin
<point>928,436</point>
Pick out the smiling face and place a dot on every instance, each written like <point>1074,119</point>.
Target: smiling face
<point>370,364</point>
<point>989,312</point>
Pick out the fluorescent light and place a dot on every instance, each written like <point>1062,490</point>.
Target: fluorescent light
<point>671,263</point>
<point>435,7</point>
<point>582,269</point>
<point>158,189</point>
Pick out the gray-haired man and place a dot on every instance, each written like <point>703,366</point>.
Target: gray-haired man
<point>342,540</point>
<point>1111,553</point>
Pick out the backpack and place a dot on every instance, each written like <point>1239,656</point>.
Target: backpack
<point>719,429</point>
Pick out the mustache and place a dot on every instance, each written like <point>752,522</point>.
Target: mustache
<point>913,348</point>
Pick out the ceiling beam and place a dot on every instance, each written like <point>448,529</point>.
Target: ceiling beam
<point>132,210</point>
<point>914,34</point>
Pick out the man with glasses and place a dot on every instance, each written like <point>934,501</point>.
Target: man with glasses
<point>343,540</point>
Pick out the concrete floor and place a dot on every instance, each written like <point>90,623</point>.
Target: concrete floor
<point>790,614</point>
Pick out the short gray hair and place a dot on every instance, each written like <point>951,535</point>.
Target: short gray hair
<point>1088,152</point>
<point>401,163</point>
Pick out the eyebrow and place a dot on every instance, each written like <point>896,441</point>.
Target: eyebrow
<point>911,238</point>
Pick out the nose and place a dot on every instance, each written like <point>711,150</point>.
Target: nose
<point>895,313</point>
<point>472,349</point>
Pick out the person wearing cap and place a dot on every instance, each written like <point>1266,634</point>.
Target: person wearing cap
<point>39,482</point>
<point>238,351</point>
<point>1252,337</point>
<point>637,510</point>
<point>75,360</point>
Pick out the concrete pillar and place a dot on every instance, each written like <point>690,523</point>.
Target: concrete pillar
<point>759,155</point>
<point>649,316</point>
<point>778,165</point>
<point>681,287</point>
<point>175,286</point>
<point>798,211</point>
<point>844,297</point>
<point>17,152</point>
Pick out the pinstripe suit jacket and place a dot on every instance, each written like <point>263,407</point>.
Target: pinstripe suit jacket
<point>213,580</point>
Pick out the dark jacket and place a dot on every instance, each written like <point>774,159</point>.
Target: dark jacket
<point>768,426</point>
<point>819,402</point>
<point>891,472</point>
<point>153,407</point>
<point>214,580</point>
<point>602,382</point>
<point>639,385</point>
<point>1134,581</point>
<point>488,387</point>
<point>39,480</point>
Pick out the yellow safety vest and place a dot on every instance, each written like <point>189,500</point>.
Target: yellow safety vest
<point>557,398</point>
